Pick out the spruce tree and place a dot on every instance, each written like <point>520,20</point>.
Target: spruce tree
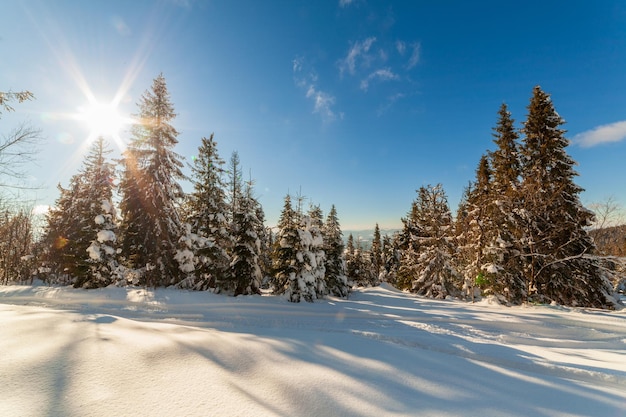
<point>284,261</point>
<point>503,266</point>
<point>555,242</point>
<point>316,253</point>
<point>352,264</point>
<point>376,252</point>
<point>207,214</point>
<point>245,266</point>
<point>336,280</point>
<point>150,192</point>
<point>474,228</point>
<point>72,226</point>
<point>430,267</point>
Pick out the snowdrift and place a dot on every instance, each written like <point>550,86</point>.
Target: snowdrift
<point>123,351</point>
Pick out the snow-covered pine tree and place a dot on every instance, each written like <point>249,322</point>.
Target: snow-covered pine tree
<point>70,225</point>
<point>336,280</point>
<point>555,242</point>
<point>502,263</point>
<point>207,213</point>
<point>473,228</point>
<point>103,267</point>
<point>352,264</point>
<point>265,237</point>
<point>431,269</point>
<point>389,260</point>
<point>151,225</point>
<point>284,261</point>
<point>360,266</point>
<point>317,255</point>
<point>376,252</point>
<point>245,267</point>
<point>407,244</point>
<point>296,273</point>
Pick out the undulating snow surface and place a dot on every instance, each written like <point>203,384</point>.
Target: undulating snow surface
<point>118,351</point>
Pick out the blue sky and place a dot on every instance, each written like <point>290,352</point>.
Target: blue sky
<point>353,103</point>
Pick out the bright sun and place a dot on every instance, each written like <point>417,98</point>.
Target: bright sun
<point>102,120</point>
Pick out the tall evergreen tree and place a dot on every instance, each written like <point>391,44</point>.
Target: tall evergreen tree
<point>70,225</point>
<point>316,253</point>
<point>234,184</point>
<point>284,261</point>
<point>554,238</point>
<point>432,271</point>
<point>376,252</point>
<point>474,227</point>
<point>151,224</point>
<point>503,267</point>
<point>245,266</point>
<point>336,280</point>
<point>207,213</point>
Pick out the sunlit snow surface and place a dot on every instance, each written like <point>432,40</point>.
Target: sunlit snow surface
<point>115,351</point>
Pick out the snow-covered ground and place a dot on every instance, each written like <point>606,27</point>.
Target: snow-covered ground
<point>132,352</point>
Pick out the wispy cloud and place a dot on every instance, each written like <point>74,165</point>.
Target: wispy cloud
<point>391,100</point>
<point>345,3</point>
<point>120,26</point>
<point>323,101</point>
<point>401,47</point>
<point>358,51</point>
<point>613,132</point>
<point>384,74</point>
<point>415,55</point>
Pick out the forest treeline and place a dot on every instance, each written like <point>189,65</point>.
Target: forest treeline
<point>520,233</point>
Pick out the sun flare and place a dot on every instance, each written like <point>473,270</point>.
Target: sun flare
<point>103,120</point>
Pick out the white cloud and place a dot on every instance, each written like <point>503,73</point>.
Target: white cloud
<point>323,103</point>
<point>401,47</point>
<point>613,132</point>
<point>415,55</point>
<point>384,74</point>
<point>358,51</point>
<point>345,3</point>
<point>297,65</point>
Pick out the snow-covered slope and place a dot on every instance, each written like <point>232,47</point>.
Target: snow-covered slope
<point>116,351</point>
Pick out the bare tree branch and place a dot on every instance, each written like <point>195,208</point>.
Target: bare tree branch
<point>17,150</point>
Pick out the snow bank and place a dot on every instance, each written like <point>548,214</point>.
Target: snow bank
<point>122,351</point>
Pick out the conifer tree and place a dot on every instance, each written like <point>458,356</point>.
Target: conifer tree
<point>336,280</point>
<point>503,267</point>
<point>408,245</point>
<point>352,267</point>
<point>245,266</point>
<point>151,223</point>
<point>284,261</point>
<point>555,243</point>
<point>103,267</point>
<point>71,225</point>
<point>316,254</point>
<point>208,216</point>
<point>389,260</point>
<point>474,227</point>
<point>376,252</point>
<point>234,184</point>
<point>432,272</point>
